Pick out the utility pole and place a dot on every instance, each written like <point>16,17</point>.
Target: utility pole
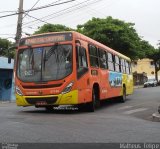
<point>19,22</point>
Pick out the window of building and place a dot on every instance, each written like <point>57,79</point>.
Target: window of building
<point>134,63</point>
<point>152,64</point>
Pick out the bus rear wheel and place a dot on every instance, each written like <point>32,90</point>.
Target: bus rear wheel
<point>124,96</point>
<point>95,103</point>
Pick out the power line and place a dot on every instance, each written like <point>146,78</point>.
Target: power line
<point>42,7</point>
<point>31,8</point>
<point>55,13</point>
<point>6,34</point>
<point>34,6</point>
<point>27,14</point>
<point>7,11</point>
<point>59,13</point>
<point>40,19</point>
<point>37,19</point>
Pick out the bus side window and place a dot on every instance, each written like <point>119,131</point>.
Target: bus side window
<point>120,65</point>
<point>82,65</point>
<point>117,64</point>
<point>103,59</point>
<point>127,67</point>
<point>130,68</point>
<point>123,66</point>
<point>110,62</point>
<point>93,55</point>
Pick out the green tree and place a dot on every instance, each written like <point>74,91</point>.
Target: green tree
<point>116,34</point>
<point>4,46</point>
<point>52,28</point>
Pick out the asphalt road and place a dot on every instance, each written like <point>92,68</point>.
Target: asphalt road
<point>113,122</point>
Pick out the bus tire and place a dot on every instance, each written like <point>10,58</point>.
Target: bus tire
<point>95,103</point>
<point>123,97</point>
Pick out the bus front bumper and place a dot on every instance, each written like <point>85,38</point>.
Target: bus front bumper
<point>70,98</point>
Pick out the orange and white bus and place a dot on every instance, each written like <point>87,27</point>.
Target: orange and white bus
<point>68,68</point>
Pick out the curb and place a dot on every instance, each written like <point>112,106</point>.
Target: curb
<point>156,116</point>
<point>137,87</point>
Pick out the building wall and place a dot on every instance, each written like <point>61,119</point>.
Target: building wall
<point>5,84</point>
<point>145,66</point>
<point>6,79</point>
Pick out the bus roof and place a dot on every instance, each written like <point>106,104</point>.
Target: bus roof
<point>85,38</point>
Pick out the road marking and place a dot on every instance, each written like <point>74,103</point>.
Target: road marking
<point>135,110</point>
<point>125,107</point>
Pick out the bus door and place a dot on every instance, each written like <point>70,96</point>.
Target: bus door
<point>82,72</point>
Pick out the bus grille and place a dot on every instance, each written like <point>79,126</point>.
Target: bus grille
<point>41,86</point>
<point>48,100</point>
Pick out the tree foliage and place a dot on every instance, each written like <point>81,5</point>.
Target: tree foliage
<point>52,28</point>
<point>4,46</point>
<point>116,34</point>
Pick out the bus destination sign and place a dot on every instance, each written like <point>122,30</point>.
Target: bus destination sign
<point>44,39</point>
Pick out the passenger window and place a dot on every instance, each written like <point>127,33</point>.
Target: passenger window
<point>127,67</point>
<point>93,54</point>
<point>123,69</point>
<point>117,68</point>
<point>103,59</point>
<point>110,62</point>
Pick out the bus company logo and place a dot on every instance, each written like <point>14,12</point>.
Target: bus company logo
<point>40,92</point>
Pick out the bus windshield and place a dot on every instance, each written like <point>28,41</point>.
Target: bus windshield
<point>44,63</point>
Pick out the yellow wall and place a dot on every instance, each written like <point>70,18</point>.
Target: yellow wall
<point>144,65</point>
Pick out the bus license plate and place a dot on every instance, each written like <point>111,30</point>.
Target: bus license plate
<point>41,103</point>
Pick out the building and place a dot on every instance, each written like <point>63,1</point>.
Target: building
<point>6,79</point>
<point>143,70</point>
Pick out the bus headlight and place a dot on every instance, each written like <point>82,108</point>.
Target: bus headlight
<point>18,91</point>
<point>67,88</point>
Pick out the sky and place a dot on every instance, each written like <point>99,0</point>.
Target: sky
<point>144,13</point>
